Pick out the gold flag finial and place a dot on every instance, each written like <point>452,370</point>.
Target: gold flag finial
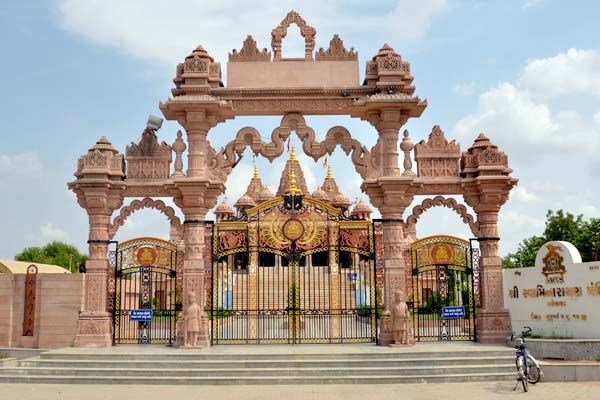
<point>255,170</point>
<point>329,171</point>
<point>293,153</point>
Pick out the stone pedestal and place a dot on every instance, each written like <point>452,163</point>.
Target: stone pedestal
<point>95,330</point>
<point>493,326</point>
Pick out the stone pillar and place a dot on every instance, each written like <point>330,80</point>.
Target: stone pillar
<point>493,320</point>
<point>193,265</point>
<point>197,124</point>
<point>388,124</point>
<point>394,268</point>
<point>95,322</point>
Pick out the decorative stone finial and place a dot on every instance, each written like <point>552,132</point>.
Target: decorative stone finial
<point>178,147</point>
<point>406,146</point>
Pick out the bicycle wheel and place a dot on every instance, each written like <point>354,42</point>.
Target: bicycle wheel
<point>533,374</point>
<point>521,373</point>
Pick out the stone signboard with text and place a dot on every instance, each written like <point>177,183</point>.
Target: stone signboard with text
<point>559,297</point>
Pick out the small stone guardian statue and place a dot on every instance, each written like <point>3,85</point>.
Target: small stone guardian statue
<point>192,317</point>
<point>400,319</point>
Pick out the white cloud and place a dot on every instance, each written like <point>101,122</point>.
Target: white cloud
<point>525,128</point>
<point>521,194</point>
<point>532,4</point>
<point>20,165</point>
<point>466,88</point>
<point>51,232</point>
<point>576,72</point>
<point>164,33</point>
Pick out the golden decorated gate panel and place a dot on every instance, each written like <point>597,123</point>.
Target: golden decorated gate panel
<point>298,274</point>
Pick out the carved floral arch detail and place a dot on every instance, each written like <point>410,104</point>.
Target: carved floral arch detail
<point>439,201</point>
<point>222,162</point>
<point>146,202</point>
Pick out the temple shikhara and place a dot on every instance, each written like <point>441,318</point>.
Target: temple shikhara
<point>297,264</point>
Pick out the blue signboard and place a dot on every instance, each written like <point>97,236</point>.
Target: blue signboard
<point>141,315</point>
<point>453,312</point>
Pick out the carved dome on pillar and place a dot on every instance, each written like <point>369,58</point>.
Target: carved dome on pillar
<point>197,74</point>
<point>389,73</point>
<point>484,158</point>
<point>361,210</point>
<point>102,159</point>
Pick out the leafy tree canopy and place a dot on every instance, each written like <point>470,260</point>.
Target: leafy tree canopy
<point>583,234</point>
<point>56,253</point>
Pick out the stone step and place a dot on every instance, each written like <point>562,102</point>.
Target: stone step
<point>280,380</point>
<point>262,363</point>
<point>235,373</point>
<point>182,356</point>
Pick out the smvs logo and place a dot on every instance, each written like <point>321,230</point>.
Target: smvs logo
<point>553,264</point>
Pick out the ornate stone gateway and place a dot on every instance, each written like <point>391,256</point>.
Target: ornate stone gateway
<point>327,81</point>
<point>145,294</point>
<point>293,270</point>
<point>443,289</point>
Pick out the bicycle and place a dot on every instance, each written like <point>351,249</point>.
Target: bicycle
<point>528,369</point>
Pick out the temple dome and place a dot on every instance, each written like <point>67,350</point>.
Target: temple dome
<point>265,194</point>
<point>320,194</point>
<point>224,208</point>
<point>361,206</point>
<point>245,201</point>
<point>339,200</point>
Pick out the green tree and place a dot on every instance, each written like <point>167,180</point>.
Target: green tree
<point>583,234</point>
<point>56,253</point>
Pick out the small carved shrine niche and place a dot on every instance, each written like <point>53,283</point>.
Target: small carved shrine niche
<point>148,159</point>
<point>437,158</point>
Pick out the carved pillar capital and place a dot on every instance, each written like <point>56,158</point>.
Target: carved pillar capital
<point>388,124</point>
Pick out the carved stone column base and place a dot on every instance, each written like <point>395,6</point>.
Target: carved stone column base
<point>94,330</point>
<point>179,332</point>
<point>493,326</point>
<point>386,336</point>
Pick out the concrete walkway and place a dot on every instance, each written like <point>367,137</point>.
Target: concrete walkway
<point>442,391</point>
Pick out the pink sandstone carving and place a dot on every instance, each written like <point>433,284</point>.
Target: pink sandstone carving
<point>200,101</point>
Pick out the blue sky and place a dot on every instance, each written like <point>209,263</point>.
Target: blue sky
<point>525,72</point>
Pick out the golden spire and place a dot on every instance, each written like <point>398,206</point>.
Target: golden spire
<point>255,171</point>
<point>329,171</point>
<point>293,153</point>
<point>293,189</point>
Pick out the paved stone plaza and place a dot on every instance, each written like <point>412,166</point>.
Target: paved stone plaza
<point>447,391</point>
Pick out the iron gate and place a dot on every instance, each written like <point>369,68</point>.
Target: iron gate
<point>145,308</point>
<point>293,274</point>
<point>443,289</point>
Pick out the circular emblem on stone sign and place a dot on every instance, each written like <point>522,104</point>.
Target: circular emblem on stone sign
<point>293,229</point>
<point>146,256</point>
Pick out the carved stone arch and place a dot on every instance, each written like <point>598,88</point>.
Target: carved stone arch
<point>223,161</point>
<point>146,202</point>
<point>439,201</point>
<point>307,32</point>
